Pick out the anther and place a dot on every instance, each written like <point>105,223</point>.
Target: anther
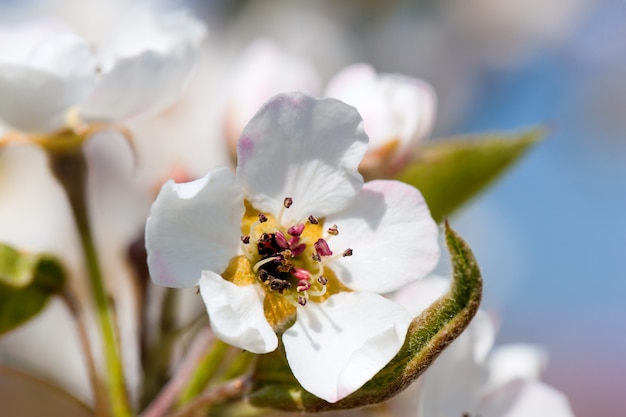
<point>301,300</point>
<point>347,252</point>
<point>262,218</point>
<point>303,286</point>
<point>313,219</point>
<point>316,257</point>
<point>264,275</point>
<point>245,239</point>
<point>333,230</point>
<point>321,246</point>
<point>322,280</point>
<point>288,202</point>
<point>279,285</point>
<point>296,230</point>
<point>281,240</point>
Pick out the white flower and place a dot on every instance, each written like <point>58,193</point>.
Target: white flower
<point>469,379</point>
<point>296,244</point>
<point>46,70</point>
<point>398,111</point>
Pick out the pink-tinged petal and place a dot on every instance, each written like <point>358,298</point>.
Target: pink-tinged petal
<point>146,66</point>
<point>336,346</point>
<point>305,148</point>
<point>393,106</point>
<point>514,361</point>
<point>44,69</point>
<point>393,237</point>
<point>192,227</point>
<point>236,314</point>
<point>529,398</point>
<point>263,71</point>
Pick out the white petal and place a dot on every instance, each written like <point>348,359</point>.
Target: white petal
<point>516,361</point>
<point>44,70</point>
<point>262,72</point>
<point>305,148</point>
<point>236,314</point>
<point>393,106</point>
<point>394,238</point>
<point>521,398</point>
<point>418,296</point>
<point>192,227</point>
<point>336,346</point>
<point>146,66</point>
<point>461,370</point>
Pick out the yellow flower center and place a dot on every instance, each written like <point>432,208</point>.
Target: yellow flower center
<point>289,262</point>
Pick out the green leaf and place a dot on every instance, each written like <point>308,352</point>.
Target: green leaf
<point>26,283</point>
<point>432,331</point>
<point>450,172</point>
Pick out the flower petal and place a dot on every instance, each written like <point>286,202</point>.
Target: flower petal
<point>336,346</point>
<point>394,238</point>
<point>305,148</point>
<point>393,106</point>
<point>460,369</point>
<point>192,227</point>
<point>263,71</point>
<point>513,361</point>
<point>236,314</point>
<point>44,69</point>
<point>521,398</point>
<point>418,296</point>
<point>147,51</point>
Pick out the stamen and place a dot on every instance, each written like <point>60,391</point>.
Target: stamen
<point>303,286</point>
<point>313,219</point>
<point>245,239</point>
<point>281,240</point>
<point>316,257</point>
<point>264,275</point>
<point>321,246</point>
<point>296,230</point>
<point>279,285</point>
<point>301,300</point>
<point>347,252</point>
<point>298,249</point>
<point>262,262</point>
<point>288,202</point>
<point>333,230</point>
<point>314,293</point>
<point>301,273</point>
<point>262,218</point>
<point>322,280</point>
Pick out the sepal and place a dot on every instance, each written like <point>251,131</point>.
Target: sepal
<point>450,172</point>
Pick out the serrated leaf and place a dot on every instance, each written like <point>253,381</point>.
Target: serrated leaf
<point>26,283</point>
<point>450,172</point>
<point>432,331</point>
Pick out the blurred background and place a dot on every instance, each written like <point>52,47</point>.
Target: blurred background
<point>550,235</point>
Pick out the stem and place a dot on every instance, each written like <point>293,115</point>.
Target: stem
<point>70,168</point>
<point>205,369</point>
<point>166,398</point>
<point>99,397</point>
<point>157,360</point>
<point>229,391</point>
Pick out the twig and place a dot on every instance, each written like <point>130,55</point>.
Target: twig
<point>163,402</point>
